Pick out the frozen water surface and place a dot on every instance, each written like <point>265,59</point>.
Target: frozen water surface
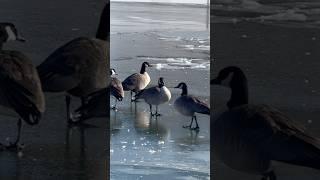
<point>175,39</point>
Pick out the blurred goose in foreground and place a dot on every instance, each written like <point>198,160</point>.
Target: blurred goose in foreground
<point>79,66</point>
<point>155,96</point>
<point>20,87</point>
<point>248,137</point>
<point>137,81</point>
<point>189,105</point>
<point>116,89</point>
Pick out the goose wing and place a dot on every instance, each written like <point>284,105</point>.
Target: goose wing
<point>63,69</point>
<point>20,86</point>
<point>198,105</point>
<point>277,137</point>
<point>131,82</point>
<point>116,88</point>
<point>151,92</point>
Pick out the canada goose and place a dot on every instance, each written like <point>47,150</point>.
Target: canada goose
<point>248,137</point>
<point>189,105</point>
<point>79,66</point>
<point>20,87</point>
<point>155,95</point>
<point>137,81</point>
<point>116,88</point>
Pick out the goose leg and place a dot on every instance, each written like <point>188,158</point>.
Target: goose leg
<point>14,146</point>
<point>114,107</point>
<point>197,126</point>
<point>115,104</point>
<point>150,107</point>
<point>157,114</point>
<point>269,176</point>
<point>190,123</point>
<point>68,100</point>
<point>132,100</point>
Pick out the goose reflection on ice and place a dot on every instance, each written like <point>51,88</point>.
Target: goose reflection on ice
<point>145,124</point>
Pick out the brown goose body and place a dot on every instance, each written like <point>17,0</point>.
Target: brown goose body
<point>249,137</point>
<point>21,88</point>
<point>78,67</point>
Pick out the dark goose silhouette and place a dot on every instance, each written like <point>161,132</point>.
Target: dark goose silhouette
<point>20,87</point>
<point>248,137</point>
<point>79,66</point>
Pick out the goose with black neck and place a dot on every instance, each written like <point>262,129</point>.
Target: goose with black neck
<point>137,81</point>
<point>20,86</point>
<point>79,67</point>
<point>188,105</point>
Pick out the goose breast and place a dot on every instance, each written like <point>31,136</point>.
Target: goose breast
<point>230,146</point>
<point>156,95</point>
<point>136,82</point>
<point>183,105</point>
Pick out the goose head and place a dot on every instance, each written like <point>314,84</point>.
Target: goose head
<point>143,67</point>
<point>113,72</point>
<point>233,77</point>
<point>9,32</point>
<point>160,82</point>
<point>184,88</point>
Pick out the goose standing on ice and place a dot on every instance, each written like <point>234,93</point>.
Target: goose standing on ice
<point>189,105</point>
<point>137,81</point>
<point>20,87</point>
<point>116,88</point>
<point>155,96</point>
<point>248,137</point>
<point>79,67</point>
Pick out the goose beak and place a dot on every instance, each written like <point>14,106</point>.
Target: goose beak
<point>21,39</point>
<point>214,82</point>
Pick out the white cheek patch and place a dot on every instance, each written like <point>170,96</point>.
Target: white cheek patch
<point>226,82</point>
<point>11,35</point>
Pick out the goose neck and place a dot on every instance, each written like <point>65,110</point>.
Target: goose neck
<point>104,24</point>
<point>184,91</point>
<point>143,69</point>
<point>239,95</point>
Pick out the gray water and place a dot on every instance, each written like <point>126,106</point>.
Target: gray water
<point>292,13</point>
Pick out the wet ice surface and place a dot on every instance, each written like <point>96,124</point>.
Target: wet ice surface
<point>151,148</point>
<point>175,40</point>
